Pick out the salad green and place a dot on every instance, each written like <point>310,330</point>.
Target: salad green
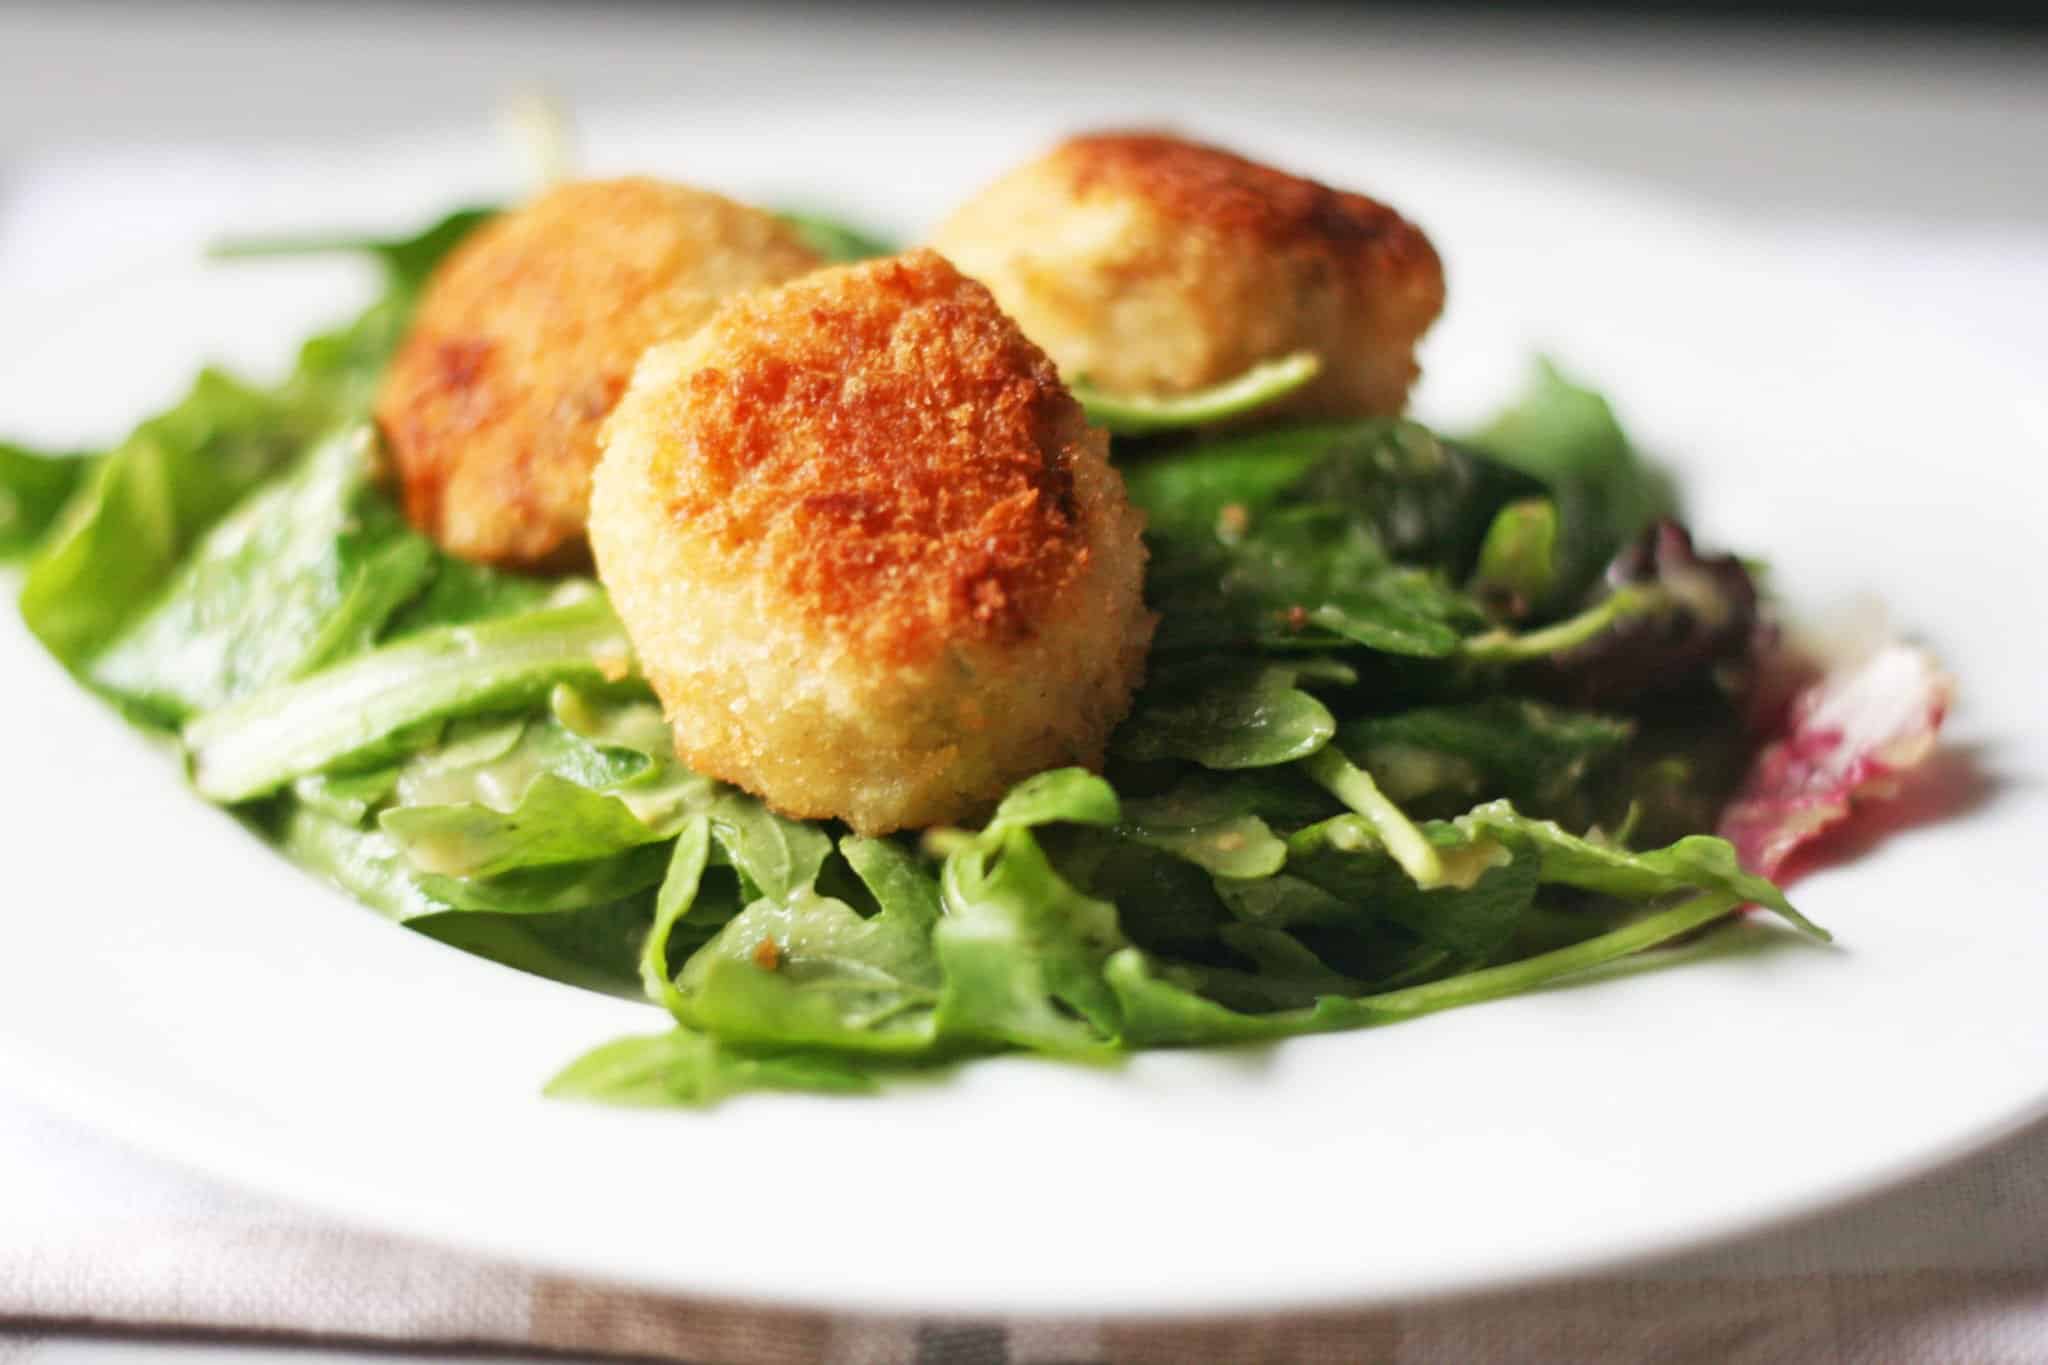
<point>1429,721</point>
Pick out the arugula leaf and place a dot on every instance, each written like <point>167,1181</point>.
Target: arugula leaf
<point>588,941</point>
<point>902,886</point>
<point>1518,568</point>
<point>1070,795</point>
<point>1307,576</point>
<point>1446,757</point>
<point>1471,913</point>
<point>774,860</point>
<point>127,527</point>
<point>1316,537</point>
<point>1280,972</point>
<point>596,777</point>
<point>1238,716</point>
<point>33,490</point>
<point>1420,499</point>
<point>1566,437</point>
<point>129,524</point>
<point>680,885</point>
<point>591,946</point>
<point>254,745</point>
<point>1210,491</point>
<point>461,593</point>
<point>556,821</point>
<point>1159,1012</point>
<point>1425,501</point>
<point>1698,862</point>
<point>365,863</point>
<point>1261,386</point>
<point>775,857</point>
<point>533,887</point>
<point>407,261</point>
<point>347,797</point>
<point>305,571</point>
<point>685,1067</point>
<point>809,970</point>
<point>1022,952</point>
<point>1194,825</point>
<point>1020,949</point>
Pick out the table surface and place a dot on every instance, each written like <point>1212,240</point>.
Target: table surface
<point>1848,141</point>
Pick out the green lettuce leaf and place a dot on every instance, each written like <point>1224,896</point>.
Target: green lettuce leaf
<point>1698,862</point>
<point>33,490</point>
<point>1472,915</point>
<point>685,1067</point>
<point>1264,384</point>
<point>591,941</point>
<point>556,821</point>
<point>1301,577</point>
<point>1232,717</point>
<point>1444,758</point>
<point>1518,568</point>
<point>772,859</point>
<point>1566,437</point>
<point>774,856</point>
<point>257,744</point>
<point>305,571</point>
<point>809,970</point>
<point>462,594</point>
<point>595,776</point>
<point>122,534</point>
<point>1209,491</point>
<point>1159,1011</point>
<point>126,528</point>
<point>1021,950</point>
<point>837,241</point>
<point>1208,826</point>
<point>406,261</point>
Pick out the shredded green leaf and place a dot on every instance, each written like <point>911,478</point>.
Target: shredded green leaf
<point>1264,384</point>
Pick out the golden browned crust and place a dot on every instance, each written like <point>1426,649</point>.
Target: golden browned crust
<point>894,446</point>
<point>1223,192</point>
<point>1150,264</point>
<point>525,339</point>
<point>871,557</point>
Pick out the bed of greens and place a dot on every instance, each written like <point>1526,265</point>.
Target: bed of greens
<point>1428,722</point>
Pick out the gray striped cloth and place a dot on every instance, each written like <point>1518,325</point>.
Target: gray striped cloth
<point>94,1237</point>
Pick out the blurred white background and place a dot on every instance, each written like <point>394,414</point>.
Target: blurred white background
<point>1921,122</point>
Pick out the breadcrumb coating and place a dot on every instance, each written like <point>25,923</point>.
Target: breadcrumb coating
<point>870,554</point>
<point>1148,264</point>
<point>525,339</point>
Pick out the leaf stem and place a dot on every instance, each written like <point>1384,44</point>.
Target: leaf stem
<point>1506,646</point>
<point>1354,786</point>
<point>311,244</point>
<point>1512,978</point>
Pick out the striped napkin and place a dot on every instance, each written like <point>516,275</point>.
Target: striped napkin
<point>94,1236</point>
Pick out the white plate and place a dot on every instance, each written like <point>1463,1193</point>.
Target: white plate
<point>168,978</point>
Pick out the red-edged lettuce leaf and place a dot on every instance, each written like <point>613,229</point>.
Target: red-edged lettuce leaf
<point>1849,737</point>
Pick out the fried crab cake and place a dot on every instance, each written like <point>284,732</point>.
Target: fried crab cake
<point>526,337</point>
<point>869,552</point>
<point>1145,264</point>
